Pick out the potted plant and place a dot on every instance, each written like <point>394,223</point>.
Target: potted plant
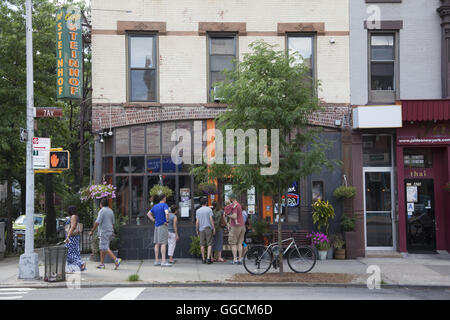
<point>339,250</point>
<point>195,250</point>
<point>260,230</point>
<point>321,242</point>
<point>348,224</point>
<point>332,238</point>
<point>323,211</point>
<point>447,187</point>
<point>345,192</point>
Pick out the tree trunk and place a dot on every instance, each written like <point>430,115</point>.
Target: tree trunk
<point>280,248</point>
<point>50,219</point>
<point>10,214</point>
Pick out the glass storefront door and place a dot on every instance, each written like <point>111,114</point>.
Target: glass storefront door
<point>421,230</point>
<point>378,210</point>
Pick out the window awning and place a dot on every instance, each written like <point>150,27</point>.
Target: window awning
<point>425,110</point>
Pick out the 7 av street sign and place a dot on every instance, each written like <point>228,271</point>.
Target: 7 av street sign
<point>47,112</point>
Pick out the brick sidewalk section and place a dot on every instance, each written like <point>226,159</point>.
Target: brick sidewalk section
<point>405,270</point>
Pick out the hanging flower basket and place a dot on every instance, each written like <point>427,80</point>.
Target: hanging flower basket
<point>159,190</point>
<point>345,192</point>
<point>207,188</point>
<point>98,191</point>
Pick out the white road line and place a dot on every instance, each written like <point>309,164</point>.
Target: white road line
<point>12,293</point>
<point>11,298</point>
<point>123,294</point>
<point>15,289</point>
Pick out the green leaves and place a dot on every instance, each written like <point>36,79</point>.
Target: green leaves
<point>267,90</point>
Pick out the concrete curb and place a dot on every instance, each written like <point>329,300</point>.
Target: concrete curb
<point>141,284</point>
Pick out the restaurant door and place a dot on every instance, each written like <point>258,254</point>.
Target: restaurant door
<point>420,215</point>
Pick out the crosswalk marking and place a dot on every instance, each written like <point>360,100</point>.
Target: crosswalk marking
<point>13,293</point>
<point>11,298</point>
<point>123,294</point>
<point>15,289</point>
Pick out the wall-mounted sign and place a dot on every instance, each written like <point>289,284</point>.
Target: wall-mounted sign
<point>69,54</point>
<point>293,196</point>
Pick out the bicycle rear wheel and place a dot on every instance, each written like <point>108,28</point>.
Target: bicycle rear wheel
<point>258,260</point>
<point>301,260</point>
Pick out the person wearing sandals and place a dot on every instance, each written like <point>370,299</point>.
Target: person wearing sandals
<point>105,224</point>
<point>173,232</point>
<point>205,229</point>
<point>73,262</point>
<point>159,214</point>
<point>219,223</point>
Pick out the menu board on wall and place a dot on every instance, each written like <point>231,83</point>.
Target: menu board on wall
<point>411,194</point>
<point>185,196</point>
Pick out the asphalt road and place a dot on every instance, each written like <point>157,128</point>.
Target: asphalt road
<point>224,293</point>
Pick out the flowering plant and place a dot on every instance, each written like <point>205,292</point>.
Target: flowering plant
<point>207,188</point>
<point>98,191</point>
<point>319,240</point>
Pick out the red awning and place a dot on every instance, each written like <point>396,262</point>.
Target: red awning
<point>425,110</point>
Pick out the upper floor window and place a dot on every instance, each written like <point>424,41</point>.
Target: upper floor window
<point>142,64</point>
<point>383,84</point>
<point>304,45</point>
<point>222,51</point>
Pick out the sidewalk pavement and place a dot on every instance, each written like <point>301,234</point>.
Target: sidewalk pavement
<point>406,270</point>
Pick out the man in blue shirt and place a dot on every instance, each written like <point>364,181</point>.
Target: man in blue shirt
<point>159,214</point>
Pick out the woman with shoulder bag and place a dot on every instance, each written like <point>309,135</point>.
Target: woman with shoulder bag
<point>73,238</point>
<point>219,224</point>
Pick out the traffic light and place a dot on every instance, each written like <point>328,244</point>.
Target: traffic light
<point>59,160</point>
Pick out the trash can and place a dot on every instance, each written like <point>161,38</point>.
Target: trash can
<point>55,263</point>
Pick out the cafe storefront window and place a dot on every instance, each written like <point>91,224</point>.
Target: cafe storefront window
<point>139,157</point>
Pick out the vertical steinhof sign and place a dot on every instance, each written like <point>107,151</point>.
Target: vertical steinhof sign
<point>69,54</point>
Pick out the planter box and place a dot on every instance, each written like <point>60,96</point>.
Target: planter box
<point>351,246</point>
<point>339,254</point>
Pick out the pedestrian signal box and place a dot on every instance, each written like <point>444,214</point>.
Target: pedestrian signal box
<point>59,160</point>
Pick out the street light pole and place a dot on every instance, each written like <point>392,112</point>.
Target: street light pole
<point>28,265</point>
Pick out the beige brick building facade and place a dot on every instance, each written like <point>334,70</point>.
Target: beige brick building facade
<point>182,49</point>
<point>139,98</point>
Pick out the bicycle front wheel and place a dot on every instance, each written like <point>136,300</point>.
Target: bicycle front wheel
<point>258,259</point>
<point>301,259</point>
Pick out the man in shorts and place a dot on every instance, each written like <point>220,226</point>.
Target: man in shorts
<point>159,214</point>
<point>236,228</point>
<point>105,224</point>
<point>205,228</point>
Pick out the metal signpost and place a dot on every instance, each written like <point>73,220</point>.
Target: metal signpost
<point>28,265</point>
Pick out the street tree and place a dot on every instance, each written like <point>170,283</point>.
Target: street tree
<point>71,132</point>
<point>270,89</point>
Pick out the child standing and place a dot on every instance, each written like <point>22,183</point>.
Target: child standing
<point>173,232</point>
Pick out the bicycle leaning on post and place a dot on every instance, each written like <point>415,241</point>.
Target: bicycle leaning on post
<point>259,259</point>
